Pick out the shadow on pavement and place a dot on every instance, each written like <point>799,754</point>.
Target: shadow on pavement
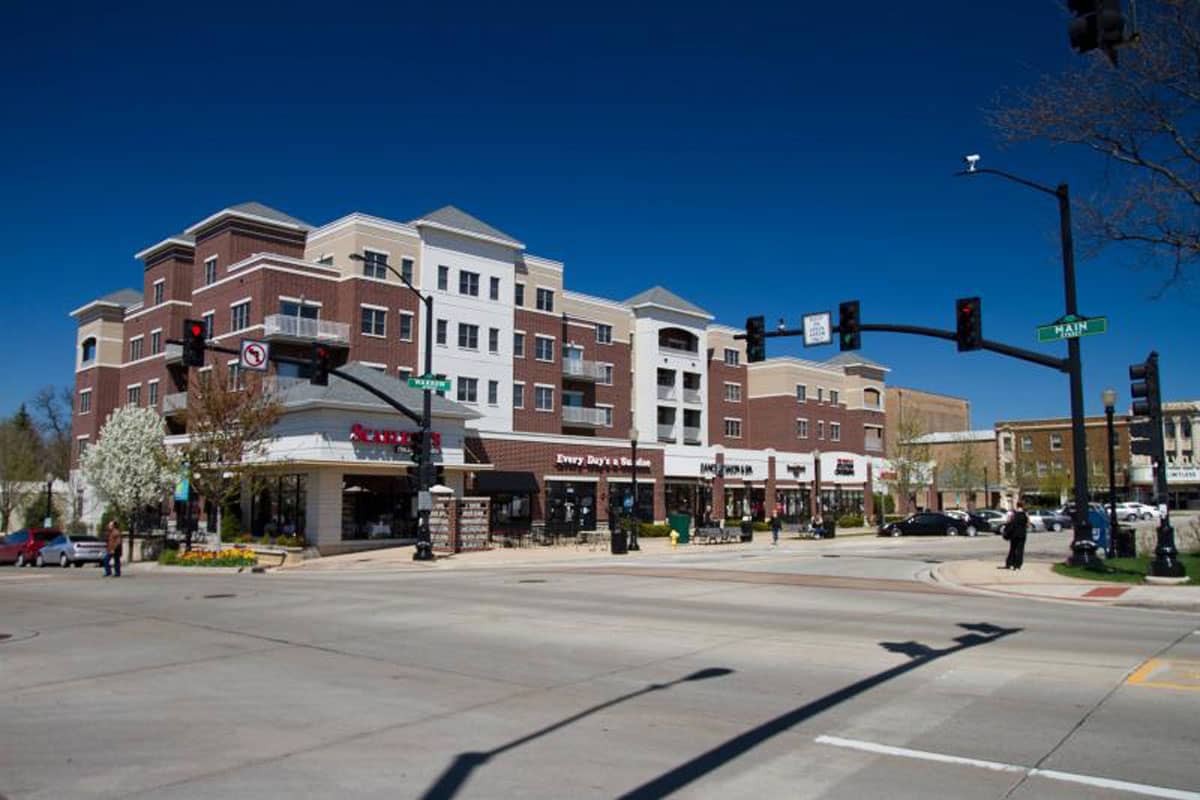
<point>457,774</point>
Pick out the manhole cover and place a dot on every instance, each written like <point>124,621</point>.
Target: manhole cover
<point>532,580</point>
<point>4,636</point>
<point>218,596</point>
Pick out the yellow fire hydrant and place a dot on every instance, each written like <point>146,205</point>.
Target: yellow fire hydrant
<point>674,539</point>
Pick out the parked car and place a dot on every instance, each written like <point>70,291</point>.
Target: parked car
<point>67,549</point>
<point>927,522</point>
<point>1044,519</point>
<point>995,519</point>
<point>975,523</point>
<point>21,547</point>
<point>1132,512</point>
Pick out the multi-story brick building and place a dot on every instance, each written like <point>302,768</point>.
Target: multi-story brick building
<point>1035,459</point>
<point>553,384</point>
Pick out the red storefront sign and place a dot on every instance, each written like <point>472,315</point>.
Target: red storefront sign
<point>379,436</point>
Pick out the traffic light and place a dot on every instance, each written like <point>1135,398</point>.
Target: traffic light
<point>416,448</point>
<point>968,316</point>
<point>320,363</point>
<point>1141,438</point>
<point>848,322</point>
<point>1144,389</point>
<point>1097,24</point>
<point>756,341</point>
<point>194,334</point>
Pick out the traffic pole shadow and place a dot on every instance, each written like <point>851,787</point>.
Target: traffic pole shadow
<point>919,655</point>
<point>457,774</point>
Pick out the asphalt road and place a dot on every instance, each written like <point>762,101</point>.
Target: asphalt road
<point>723,674</point>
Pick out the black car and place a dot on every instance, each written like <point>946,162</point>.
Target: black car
<point>926,522</point>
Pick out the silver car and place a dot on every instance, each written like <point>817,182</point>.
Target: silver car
<point>69,549</point>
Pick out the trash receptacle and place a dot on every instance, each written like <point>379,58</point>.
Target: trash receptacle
<point>620,542</point>
<point>1126,542</point>
<point>830,528</point>
<point>681,524</point>
<point>747,530</point>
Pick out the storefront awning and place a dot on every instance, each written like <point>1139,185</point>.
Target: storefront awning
<point>509,482</point>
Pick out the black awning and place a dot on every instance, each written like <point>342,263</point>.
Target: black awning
<point>506,482</point>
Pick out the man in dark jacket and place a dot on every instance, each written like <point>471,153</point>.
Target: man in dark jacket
<point>1015,530</point>
<point>112,558</point>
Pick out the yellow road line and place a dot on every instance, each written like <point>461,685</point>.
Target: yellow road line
<point>1189,670</point>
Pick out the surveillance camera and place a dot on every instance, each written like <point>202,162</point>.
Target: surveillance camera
<point>971,160</point>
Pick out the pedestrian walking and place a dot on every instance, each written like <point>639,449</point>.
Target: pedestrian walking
<point>776,526</point>
<point>1015,530</point>
<point>112,558</point>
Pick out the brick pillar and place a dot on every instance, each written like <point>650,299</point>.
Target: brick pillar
<point>718,488</point>
<point>660,495</point>
<point>769,501</point>
<point>868,497</point>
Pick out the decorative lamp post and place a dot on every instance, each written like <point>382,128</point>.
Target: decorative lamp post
<point>633,440</point>
<point>1109,396</point>
<point>49,520</point>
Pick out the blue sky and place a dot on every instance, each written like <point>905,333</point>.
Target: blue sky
<point>754,159</point>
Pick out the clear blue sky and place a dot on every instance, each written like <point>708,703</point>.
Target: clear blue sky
<point>754,158</point>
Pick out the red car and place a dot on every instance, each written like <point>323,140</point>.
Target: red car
<point>21,547</point>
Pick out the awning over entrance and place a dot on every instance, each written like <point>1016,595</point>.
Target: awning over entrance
<point>510,482</point>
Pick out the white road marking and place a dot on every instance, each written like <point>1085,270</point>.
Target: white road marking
<point>997,766</point>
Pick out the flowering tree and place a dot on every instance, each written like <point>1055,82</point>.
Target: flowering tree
<point>129,466</point>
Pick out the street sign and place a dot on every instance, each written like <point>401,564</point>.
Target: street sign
<point>818,328</point>
<point>424,501</point>
<point>256,356</point>
<point>429,382</point>
<point>1071,327</point>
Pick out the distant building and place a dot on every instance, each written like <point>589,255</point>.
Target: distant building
<point>929,411</point>
<point>965,472</point>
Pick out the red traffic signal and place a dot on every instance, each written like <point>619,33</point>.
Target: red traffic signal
<point>194,334</point>
<point>968,316</point>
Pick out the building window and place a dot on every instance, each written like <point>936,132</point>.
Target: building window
<point>543,348</point>
<point>468,389</point>
<point>494,289</point>
<point>237,376</point>
<point>1056,441</point>
<point>545,299</point>
<point>1169,429</point>
<point>133,395</point>
<point>518,345</point>
<point>493,393</point>
<point>733,393</point>
<point>82,443</point>
<point>606,375</point>
<point>136,346</point>
<point>604,334</point>
<point>493,340</point>
<point>468,336</point>
<point>159,285</point>
<point>210,271</point>
<point>543,398</point>
<point>208,324</point>
<point>406,269</point>
<point>1007,444</point>
<point>152,393</point>
<point>1185,428</point>
<point>835,431</point>
<point>239,316</point>
<point>872,398</point>
<point>443,277</point>
<point>519,294</point>
<point>1042,469</point>
<point>155,342</point>
<point>733,428</point>
<point>820,394</point>
<point>468,283</point>
<point>374,264</point>
<point>820,429</point>
<point>1026,444</point>
<point>608,415</point>
<point>801,429</point>
<point>406,323</point>
<point>404,373</point>
<point>85,401</point>
<point>374,321</point>
<point>833,396</point>
<point>732,357</point>
<point>294,308</point>
<point>518,395</point>
<point>442,326</point>
<point>88,350</point>
<point>801,393</point>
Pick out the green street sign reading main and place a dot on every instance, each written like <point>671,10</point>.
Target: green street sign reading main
<point>1072,328</point>
<point>429,382</point>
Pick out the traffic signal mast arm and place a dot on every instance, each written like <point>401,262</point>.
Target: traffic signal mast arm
<point>304,362</point>
<point>1060,364</point>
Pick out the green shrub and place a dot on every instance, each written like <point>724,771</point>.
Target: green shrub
<point>850,521</point>
<point>294,540</point>
<point>760,527</point>
<point>230,524</point>
<point>653,530</point>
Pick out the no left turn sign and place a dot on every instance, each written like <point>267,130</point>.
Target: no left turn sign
<point>255,355</point>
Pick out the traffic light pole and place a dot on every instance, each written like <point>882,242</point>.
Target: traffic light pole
<point>424,548</point>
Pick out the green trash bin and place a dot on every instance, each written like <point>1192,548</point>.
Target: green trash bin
<point>681,524</point>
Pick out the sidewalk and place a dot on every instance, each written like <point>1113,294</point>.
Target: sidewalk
<point>1038,581</point>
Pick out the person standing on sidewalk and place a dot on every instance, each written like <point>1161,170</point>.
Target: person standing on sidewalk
<point>776,526</point>
<point>1015,529</point>
<point>112,558</point>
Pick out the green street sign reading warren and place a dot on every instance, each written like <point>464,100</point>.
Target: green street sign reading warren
<point>1072,328</point>
<point>429,382</point>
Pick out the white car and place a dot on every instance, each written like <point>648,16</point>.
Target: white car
<point>1132,512</point>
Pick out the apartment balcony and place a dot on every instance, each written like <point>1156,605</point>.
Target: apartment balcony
<point>666,433</point>
<point>691,435</point>
<point>677,352</point>
<point>579,369</point>
<point>873,445</point>
<point>175,403</point>
<point>582,417</point>
<point>692,396</point>
<point>666,392</point>
<point>287,327</point>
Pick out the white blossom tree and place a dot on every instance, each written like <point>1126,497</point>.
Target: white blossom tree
<point>129,466</point>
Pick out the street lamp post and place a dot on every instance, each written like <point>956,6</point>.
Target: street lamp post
<point>425,473</point>
<point>1109,396</point>
<point>49,520</point>
<point>633,531</point>
<point>1083,549</point>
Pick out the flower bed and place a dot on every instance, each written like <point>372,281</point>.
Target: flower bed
<point>229,557</point>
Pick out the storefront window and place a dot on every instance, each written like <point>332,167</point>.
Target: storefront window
<point>378,507</point>
<point>620,494</point>
<point>793,504</point>
<point>840,501</point>
<point>746,501</point>
<point>571,506</point>
<point>277,509</point>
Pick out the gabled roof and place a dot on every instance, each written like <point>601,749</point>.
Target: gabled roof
<point>458,220</point>
<point>664,298</point>
<point>340,391</point>
<point>852,359</point>
<point>122,299</point>
<point>255,211</point>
